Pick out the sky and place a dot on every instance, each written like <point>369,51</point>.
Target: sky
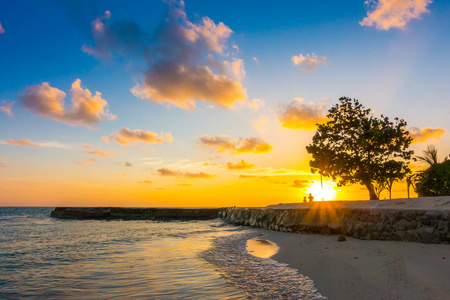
<point>205,103</point>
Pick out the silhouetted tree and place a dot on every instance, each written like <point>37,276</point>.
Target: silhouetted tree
<point>410,182</point>
<point>430,156</point>
<point>434,181</point>
<point>353,146</point>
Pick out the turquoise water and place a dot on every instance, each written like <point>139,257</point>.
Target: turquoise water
<point>42,257</point>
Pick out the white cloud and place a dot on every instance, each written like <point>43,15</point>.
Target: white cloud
<point>309,62</point>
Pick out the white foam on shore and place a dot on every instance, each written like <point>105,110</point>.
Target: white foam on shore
<point>259,278</point>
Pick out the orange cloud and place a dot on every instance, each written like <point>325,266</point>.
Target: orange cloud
<point>85,163</point>
<point>171,173</point>
<point>125,136</point>
<point>2,165</point>
<point>247,176</point>
<point>145,181</point>
<point>299,115</point>
<point>128,164</point>
<point>47,101</point>
<point>223,144</point>
<point>100,153</point>
<point>21,143</point>
<point>6,108</point>
<point>242,165</point>
<point>387,14</point>
<point>2,30</point>
<point>301,184</point>
<point>309,62</point>
<point>422,135</point>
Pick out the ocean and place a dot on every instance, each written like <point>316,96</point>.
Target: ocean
<point>47,258</point>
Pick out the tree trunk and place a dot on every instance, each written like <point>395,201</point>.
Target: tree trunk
<point>370,188</point>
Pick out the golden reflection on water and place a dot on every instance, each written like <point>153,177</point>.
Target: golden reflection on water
<point>261,248</point>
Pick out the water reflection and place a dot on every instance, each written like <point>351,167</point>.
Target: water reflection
<point>261,248</point>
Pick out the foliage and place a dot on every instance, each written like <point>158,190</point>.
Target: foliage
<point>353,146</point>
<point>410,181</point>
<point>430,156</point>
<point>434,181</point>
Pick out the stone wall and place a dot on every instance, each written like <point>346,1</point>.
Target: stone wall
<point>423,226</point>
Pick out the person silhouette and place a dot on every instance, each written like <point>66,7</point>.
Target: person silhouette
<point>310,197</point>
<point>304,199</point>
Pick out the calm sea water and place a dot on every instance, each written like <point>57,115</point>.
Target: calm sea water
<point>42,257</point>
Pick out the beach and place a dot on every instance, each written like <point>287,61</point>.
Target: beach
<point>369,269</point>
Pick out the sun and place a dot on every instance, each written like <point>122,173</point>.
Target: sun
<point>328,193</point>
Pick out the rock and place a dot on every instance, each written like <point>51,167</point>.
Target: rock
<point>341,238</point>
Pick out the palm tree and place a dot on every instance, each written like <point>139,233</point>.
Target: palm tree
<point>410,182</point>
<point>389,183</point>
<point>430,156</point>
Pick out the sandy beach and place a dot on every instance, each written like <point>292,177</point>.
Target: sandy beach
<point>367,269</point>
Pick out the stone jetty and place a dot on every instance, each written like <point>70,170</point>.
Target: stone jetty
<point>423,220</point>
<point>135,213</point>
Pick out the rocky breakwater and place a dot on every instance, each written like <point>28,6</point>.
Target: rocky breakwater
<point>134,213</point>
<point>373,222</point>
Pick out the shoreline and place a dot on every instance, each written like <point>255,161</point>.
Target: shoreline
<point>366,269</point>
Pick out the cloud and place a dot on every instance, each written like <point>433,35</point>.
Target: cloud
<point>2,30</point>
<point>197,175</point>
<point>247,176</point>
<point>309,62</point>
<point>21,143</point>
<point>422,135</point>
<point>171,173</point>
<point>256,61</point>
<point>387,14</point>
<point>256,104</point>
<point>101,153</point>
<point>125,136</point>
<point>128,164</point>
<point>119,38</point>
<point>186,63</point>
<point>86,146</point>
<point>300,115</point>
<point>26,142</point>
<point>85,163</point>
<point>260,123</point>
<point>223,144</point>
<point>145,181</point>
<point>166,172</point>
<point>6,108</point>
<point>301,184</point>
<point>242,165</point>
<point>46,101</point>
<point>3,165</point>
<point>57,145</point>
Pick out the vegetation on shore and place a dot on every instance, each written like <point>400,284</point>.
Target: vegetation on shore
<point>353,146</point>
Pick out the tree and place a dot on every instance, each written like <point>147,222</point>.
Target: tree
<point>434,181</point>
<point>430,156</point>
<point>353,146</point>
<point>410,182</point>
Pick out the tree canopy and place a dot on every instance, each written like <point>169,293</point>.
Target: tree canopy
<point>353,146</point>
<point>434,181</point>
